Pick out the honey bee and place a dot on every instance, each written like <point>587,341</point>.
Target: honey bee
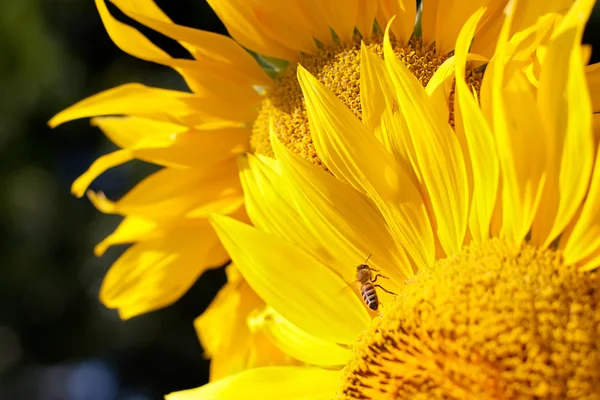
<point>364,275</point>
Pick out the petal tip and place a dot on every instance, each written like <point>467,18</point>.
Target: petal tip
<point>100,201</point>
<point>58,119</point>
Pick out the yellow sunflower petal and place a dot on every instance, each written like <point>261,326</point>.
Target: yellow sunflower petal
<point>438,153</point>
<point>131,99</point>
<point>129,39</point>
<point>585,238</point>
<point>445,17</point>
<point>365,18</point>
<point>224,200</point>
<point>375,93</point>
<point>451,17</point>
<point>596,126</point>
<point>131,229</point>
<point>270,209</point>
<point>405,13</point>
<point>380,114</point>
<point>268,383</point>
<point>219,87</point>
<point>564,100</point>
<point>144,7</point>
<point>592,262</point>
<point>489,26</point>
<point>302,17</point>
<point>172,192</point>
<point>297,343</point>
<point>173,145</point>
<point>592,74</point>
<point>218,55</point>
<point>340,15</point>
<point>480,139</point>
<point>527,13</point>
<point>308,297</point>
<point>97,168</point>
<point>221,317</point>
<point>129,132</point>
<point>294,31</point>
<point>429,17</point>
<point>243,25</point>
<point>173,106</point>
<point>200,76</point>
<point>197,148</point>
<point>156,273</point>
<point>342,219</point>
<point>439,87</point>
<point>518,129</point>
<point>225,336</point>
<point>356,156</point>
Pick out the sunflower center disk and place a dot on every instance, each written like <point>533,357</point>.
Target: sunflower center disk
<point>492,322</point>
<point>338,67</point>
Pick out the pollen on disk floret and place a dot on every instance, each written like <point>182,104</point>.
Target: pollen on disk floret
<point>338,68</point>
<point>495,321</point>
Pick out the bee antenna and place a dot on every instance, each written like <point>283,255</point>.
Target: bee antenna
<point>368,258</point>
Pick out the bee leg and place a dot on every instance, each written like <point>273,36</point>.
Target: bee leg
<point>379,275</point>
<point>385,290</point>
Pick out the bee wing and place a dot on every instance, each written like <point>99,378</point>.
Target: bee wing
<point>347,286</point>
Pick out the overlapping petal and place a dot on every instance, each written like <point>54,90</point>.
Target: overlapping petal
<point>437,151</point>
<point>405,14</point>
<point>365,18</point>
<point>564,100</point>
<point>156,272</point>
<point>584,240</point>
<point>297,343</point>
<point>592,75</point>
<point>340,15</point>
<point>130,230</point>
<point>158,104</point>
<point>268,383</point>
<point>269,206</point>
<point>100,165</point>
<point>218,56</point>
<point>201,75</point>
<point>166,194</point>
<point>298,30</point>
<point>162,144</point>
<point>518,128</point>
<point>357,157</point>
<point>132,132</point>
<point>480,141</point>
<point>244,26</point>
<point>525,15</point>
<point>131,40</point>
<point>341,218</point>
<point>451,16</point>
<point>225,335</point>
<point>379,111</point>
<point>310,297</point>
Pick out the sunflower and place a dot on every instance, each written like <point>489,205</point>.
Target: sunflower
<point>195,135</point>
<point>238,88</point>
<point>488,233</point>
<point>228,340</point>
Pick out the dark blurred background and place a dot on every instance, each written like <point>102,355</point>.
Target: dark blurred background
<point>56,340</point>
